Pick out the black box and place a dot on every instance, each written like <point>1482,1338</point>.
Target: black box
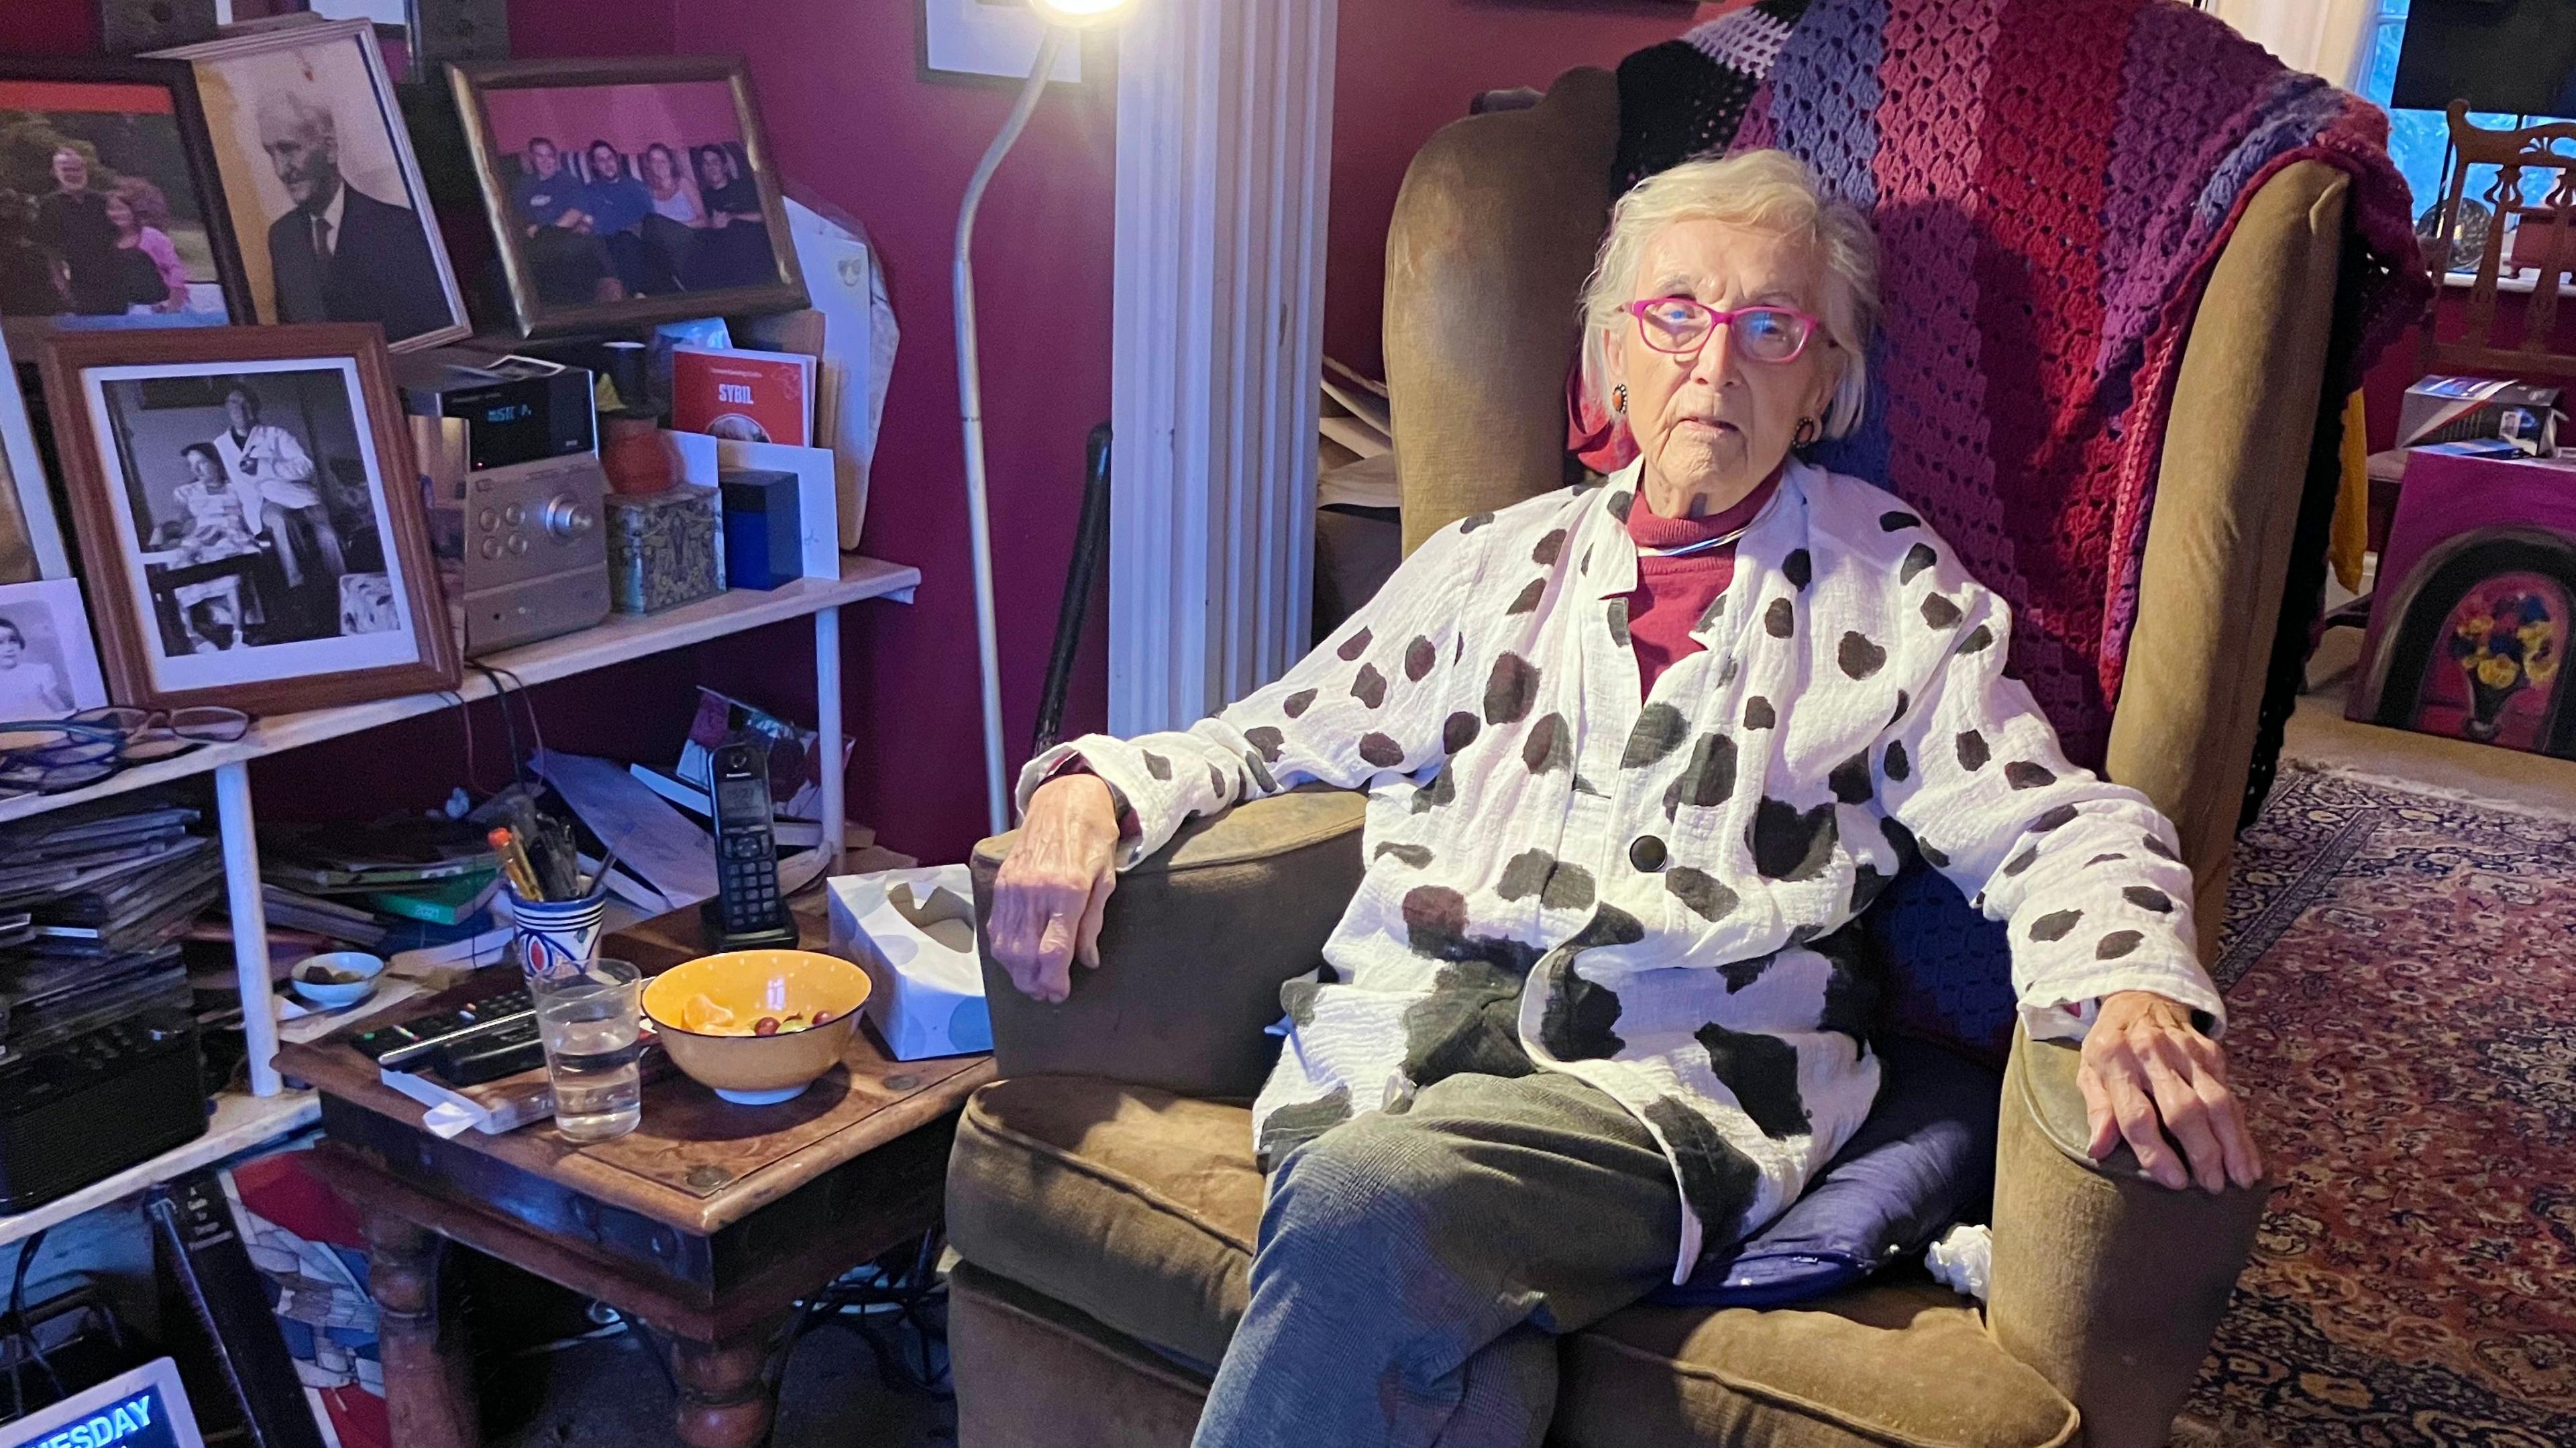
<point>88,1108</point>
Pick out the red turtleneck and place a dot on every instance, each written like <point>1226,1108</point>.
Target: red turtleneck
<point>1672,593</point>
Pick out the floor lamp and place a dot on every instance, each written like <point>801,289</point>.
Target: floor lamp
<point>1063,18</point>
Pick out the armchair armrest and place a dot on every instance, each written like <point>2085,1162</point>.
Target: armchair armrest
<point>2108,1284</point>
<point>1193,948</point>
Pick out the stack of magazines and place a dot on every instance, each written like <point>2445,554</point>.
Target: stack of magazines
<point>416,890</point>
<point>93,902</point>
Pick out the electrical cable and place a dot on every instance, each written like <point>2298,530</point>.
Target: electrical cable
<point>495,674</point>
<point>527,703</point>
<point>863,1300</point>
<point>19,1328</point>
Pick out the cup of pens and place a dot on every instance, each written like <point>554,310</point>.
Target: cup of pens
<point>556,913</point>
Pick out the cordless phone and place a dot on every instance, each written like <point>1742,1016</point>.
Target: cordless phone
<point>749,911</point>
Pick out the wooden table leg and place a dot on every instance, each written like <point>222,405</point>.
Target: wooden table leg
<point>429,1369</point>
<point>728,1395</point>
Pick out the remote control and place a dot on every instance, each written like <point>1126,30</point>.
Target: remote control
<point>406,1046</point>
<point>506,1049</point>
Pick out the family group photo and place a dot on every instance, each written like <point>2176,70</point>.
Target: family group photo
<point>621,191</point>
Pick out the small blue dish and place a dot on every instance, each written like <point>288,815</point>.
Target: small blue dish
<point>317,978</point>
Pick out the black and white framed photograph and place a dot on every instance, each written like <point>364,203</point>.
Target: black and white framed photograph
<point>245,511</point>
<point>48,662</point>
<point>323,187</point>
<point>112,213</point>
<point>625,193</point>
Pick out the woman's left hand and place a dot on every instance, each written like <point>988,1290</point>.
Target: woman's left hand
<point>2146,1073</point>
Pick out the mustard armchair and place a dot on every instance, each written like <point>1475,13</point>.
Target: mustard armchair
<point>1103,1194</point>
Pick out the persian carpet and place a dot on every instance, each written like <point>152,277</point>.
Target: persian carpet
<point>2401,982</point>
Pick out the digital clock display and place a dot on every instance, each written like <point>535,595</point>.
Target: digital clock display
<point>523,420</point>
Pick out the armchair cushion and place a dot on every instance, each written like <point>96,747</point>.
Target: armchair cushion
<point>1923,1160</point>
<point>1138,1209</point>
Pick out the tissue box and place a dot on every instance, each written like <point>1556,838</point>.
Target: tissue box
<point>913,932</point>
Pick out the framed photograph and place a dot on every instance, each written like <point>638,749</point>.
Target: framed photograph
<point>111,209</point>
<point>624,193</point>
<point>31,540</point>
<point>244,504</point>
<point>318,171</point>
<point>48,665</point>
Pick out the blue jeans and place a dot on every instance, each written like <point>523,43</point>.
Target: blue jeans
<point>1415,1268</point>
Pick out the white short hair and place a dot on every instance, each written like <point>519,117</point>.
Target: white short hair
<point>1764,190</point>
<point>295,111</point>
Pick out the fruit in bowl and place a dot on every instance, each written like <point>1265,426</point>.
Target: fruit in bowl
<point>757,1026</point>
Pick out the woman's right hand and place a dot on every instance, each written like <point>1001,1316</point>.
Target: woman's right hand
<point>1051,892</point>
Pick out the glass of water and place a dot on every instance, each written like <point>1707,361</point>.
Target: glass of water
<point>593,1034</point>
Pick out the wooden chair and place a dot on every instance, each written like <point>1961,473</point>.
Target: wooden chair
<point>2536,148</point>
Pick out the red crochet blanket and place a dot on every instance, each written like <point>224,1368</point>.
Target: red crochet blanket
<point>2052,181</point>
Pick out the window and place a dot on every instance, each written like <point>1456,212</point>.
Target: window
<point>2419,141</point>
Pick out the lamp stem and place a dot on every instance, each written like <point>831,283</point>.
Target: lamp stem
<point>970,398</point>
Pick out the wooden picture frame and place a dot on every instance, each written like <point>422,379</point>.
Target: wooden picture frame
<point>188,608</point>
<point>24,81</point>
<point>646,272</point>
<point>386,261</point>
<point>31,537</point>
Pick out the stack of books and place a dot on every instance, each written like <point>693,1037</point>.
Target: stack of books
<point>417,891</point>
<point>93,903</point>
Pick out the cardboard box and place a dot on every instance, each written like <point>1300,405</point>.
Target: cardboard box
<point>913,932</point>
<point>2460,409</point>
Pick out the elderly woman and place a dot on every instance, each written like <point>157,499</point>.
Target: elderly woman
<point>1635,754</point>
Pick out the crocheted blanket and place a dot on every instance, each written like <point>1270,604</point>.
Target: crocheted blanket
<point>2052,181</point>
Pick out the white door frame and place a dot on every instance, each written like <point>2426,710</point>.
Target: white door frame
<point>1225,120</point>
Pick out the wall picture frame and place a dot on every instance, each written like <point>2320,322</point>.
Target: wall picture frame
<point>31,537</point>
<point>324,190</point>
<point>626,193</point>
<point>244,501</point>
<point>112,212</point>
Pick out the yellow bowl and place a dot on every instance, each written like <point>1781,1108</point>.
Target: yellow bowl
<point>756,1070</point>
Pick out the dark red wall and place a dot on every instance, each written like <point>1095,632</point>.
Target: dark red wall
<point>849,117</point>
<point>1406,68</point>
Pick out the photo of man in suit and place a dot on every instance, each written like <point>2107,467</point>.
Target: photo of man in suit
<point>341,255</point>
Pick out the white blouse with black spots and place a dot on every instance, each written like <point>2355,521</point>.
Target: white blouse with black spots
<point>1644,896</point>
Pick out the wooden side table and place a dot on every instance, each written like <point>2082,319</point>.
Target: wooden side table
<point>707,1223</point>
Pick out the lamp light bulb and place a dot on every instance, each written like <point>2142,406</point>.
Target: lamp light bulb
<point>1082,12</point>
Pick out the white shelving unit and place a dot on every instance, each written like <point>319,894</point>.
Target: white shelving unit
<point>268,1109</point>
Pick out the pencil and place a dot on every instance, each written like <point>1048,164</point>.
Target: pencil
<point>514,863</point>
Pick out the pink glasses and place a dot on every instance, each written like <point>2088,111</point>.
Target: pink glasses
<point>1679,327</point>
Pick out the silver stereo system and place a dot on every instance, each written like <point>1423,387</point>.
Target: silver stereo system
<point>509,464</point>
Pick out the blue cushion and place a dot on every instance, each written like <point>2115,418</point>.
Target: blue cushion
<point>1924,1160</point>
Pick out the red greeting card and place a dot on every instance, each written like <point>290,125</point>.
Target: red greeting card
<point>748,396</point>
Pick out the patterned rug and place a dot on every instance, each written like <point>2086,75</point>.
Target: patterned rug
<point>2401,979</point>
